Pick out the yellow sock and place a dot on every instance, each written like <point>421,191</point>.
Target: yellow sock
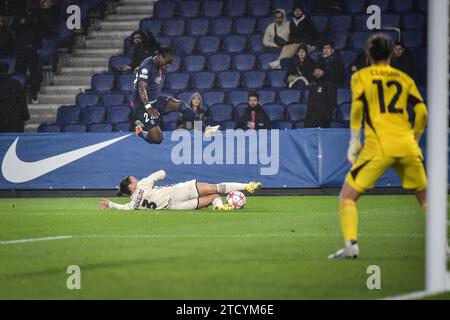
<point>348,215</point>
<point>424,207</point>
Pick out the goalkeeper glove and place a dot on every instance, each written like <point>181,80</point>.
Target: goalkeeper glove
<point>354,146</point>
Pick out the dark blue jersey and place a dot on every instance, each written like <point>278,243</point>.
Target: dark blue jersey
<point>149,72</point>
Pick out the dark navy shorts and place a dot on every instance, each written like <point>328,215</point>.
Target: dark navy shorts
<point>141,113</point>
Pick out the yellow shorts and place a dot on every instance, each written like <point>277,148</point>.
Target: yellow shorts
<point>368,169</point>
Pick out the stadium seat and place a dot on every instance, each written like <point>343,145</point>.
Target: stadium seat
<point>194,63</point>
<point>414,21</point>
<point>100,127</point>
<point>305,96</point>
<point>348,56</point>
<point>117,114</point>
<point>203,80</point>
<point>255,42</point>
<point>125,82</point>
<point>228,125</point>
<point>175,65</point>
<point>419,56</point>
<point>102,82</point>
<point>413,38</point>
<point>235,44</point>
<point>113,99</point>
<point>68,114</point>
<point>219,62</point>
<point>422,5</point>
<point>213,97</point>
<point>220,113</point>
<point>122,127</point>
<point>339,39</point>
<point>185,96</point>
<point>390,21</point>
<point>239,111</point>
<point>336,124</point>
<point>237,97</point>
<point>263,22</point>
<point>22,78</point>
<point>274,111</point>
<point>170,121</point>
<point>95,114</point>
<point>343,96</point>
<point>209,44</point>
<point>340,23</point>
<point>345,110</point>
<point>164,9</point>
<point>87,99</point>
<point>115,62</point>
<point>296,112</point>
<point>184,45</point>
<point>287,97</point>
<point>286,5</point>
<point>264,60</point>
<point>49,128</point>
<point>169,126</point>
<point>358,39</point>
<point>173,27</point>
<point>277,78</point>
<point>300,125</point>
<point>266,96</point>
<point>221,26</point>
<point>198,27</point>
<point>321,23</point>
<point>244,62</point>
<point>360,23</point>
<point>151,25</point>
<point>229,79</point>
<point>235,8</point>
<point>281,125</point>
<point>178,80</point>
<point>383,4</point>
<point>74,127</point>
<point>245,25</point>
<point>212,8</point>
<point>254,79</point>
<point>47,51</point>
<point>354,6</point>
<point>259,7</point>
<point>164,41</point>
<point>188,9</point>
<point>403,6</point>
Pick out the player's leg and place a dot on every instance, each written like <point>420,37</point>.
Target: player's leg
<point>226,187</point>
<point>174,105</point>
<point>147,128</point>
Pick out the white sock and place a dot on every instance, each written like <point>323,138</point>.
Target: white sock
<point>227,187</point>
<point>217,202</point>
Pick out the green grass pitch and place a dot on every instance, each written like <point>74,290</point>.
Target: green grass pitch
<point>275,248</point>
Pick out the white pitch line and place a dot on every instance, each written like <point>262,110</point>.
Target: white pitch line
<point>413,295</point>
<point>34,239</point>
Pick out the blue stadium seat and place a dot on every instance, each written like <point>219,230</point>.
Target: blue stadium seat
<point>49,128</point>
<point>228,125</point>
<point>21,78</point>
<point>403,6</point>
<point>95,114</point>
<point>287,97</point>
<point>237,97</point>
<point>296,112</point>
<point>259,7</point>
<point>281,125</point>
<point>115,62</point>
<point>175,65</point>
<point>305,96</point>
<point>100,127</point>
<point>229,79</point>
<point>47,51</point>
<point>235,44</point>
<point>414,21</point>
<point>383,4</point>
<point>344,96</point>
<point>390,21</point>
<point>194,63</point>
<point>212,8</point>
<point>117,114</point>
<point>274,111</point>
<point>339,39</point>
<point>263,22</point>
<point>264,60</point>
<point>345,110</point>
<point>184,45</point>
<point>185,96</point>
<point>164,9</point>
<point>286,5</point>
<point>321,23</point>
<point>152,25</point>
<point>221,26</point>
<point>188,9</point>
<point>300,125</point>
<point>173,27</point>
<point>220,113</point>
<point>122,127</point>
<point>422,5</point>
<point>245,25</point>
<point>209,44</point>
<point>235,8</point>
<point>360,23</point>
<point>239,111</point>
<point>419,56</point>
<point>68,114</point>
<point>203,80</point>
<point>255,42</point>
<point>348,56</point>
<point>340,23</point>
<point>213,97</point>
<point>315,55</point>
<point>413,38</point>
<point>178,80</point>
<point>198,27</point>
<point>254,79</point>
<point>354,6</point>
<point>170,121</point>
<point>87,99</point>
<point>102,82</point>
<point>267,96</point>
<point>74,128</point>
<point>169,126</point>
<point>113,99</point>
<point>336,124</point>
<point>219,62</point>
<point>277,78</point>
<point>164,41</point>
<point>125,82</point>
<point>358,39</point>
<point>244,62</point>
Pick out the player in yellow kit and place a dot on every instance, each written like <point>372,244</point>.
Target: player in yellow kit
<point>381,95</point>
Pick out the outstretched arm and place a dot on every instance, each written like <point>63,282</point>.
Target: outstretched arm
<point>105,203</point>
<point>152,112</point>
<point>152,179</point>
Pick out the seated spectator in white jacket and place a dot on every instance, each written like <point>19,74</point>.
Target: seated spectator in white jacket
<point>277,33</point>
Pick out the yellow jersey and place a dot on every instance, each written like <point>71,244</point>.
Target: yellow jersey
<point>380,96</point>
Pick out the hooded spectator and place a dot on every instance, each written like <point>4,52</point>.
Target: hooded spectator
<point>401,60</point>
<point>300,69</point>
<point>254,117</point>
<point>277,33</point>
<point>201,113</point>
<point>333,64</point>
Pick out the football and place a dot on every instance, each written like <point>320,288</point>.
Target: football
<point>236,199</point>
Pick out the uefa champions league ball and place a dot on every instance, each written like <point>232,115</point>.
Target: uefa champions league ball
<point>236,199</point>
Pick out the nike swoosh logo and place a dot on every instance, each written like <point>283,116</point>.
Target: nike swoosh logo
<point>18,171</point>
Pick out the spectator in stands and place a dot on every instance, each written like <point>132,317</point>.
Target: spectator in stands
<point>402,60</point>
<point>6,40</point>
<point>254,116</point>
<point>144,46</point>
<point>277,33</point>
<point>300,70</point>
<point>360,62</point>
<point>13,105</point>
<point>201,114</point>
<point>333,64</point>
<point>301,30</point>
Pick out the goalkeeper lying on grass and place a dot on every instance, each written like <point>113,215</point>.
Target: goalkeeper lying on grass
<point>187,195</point>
